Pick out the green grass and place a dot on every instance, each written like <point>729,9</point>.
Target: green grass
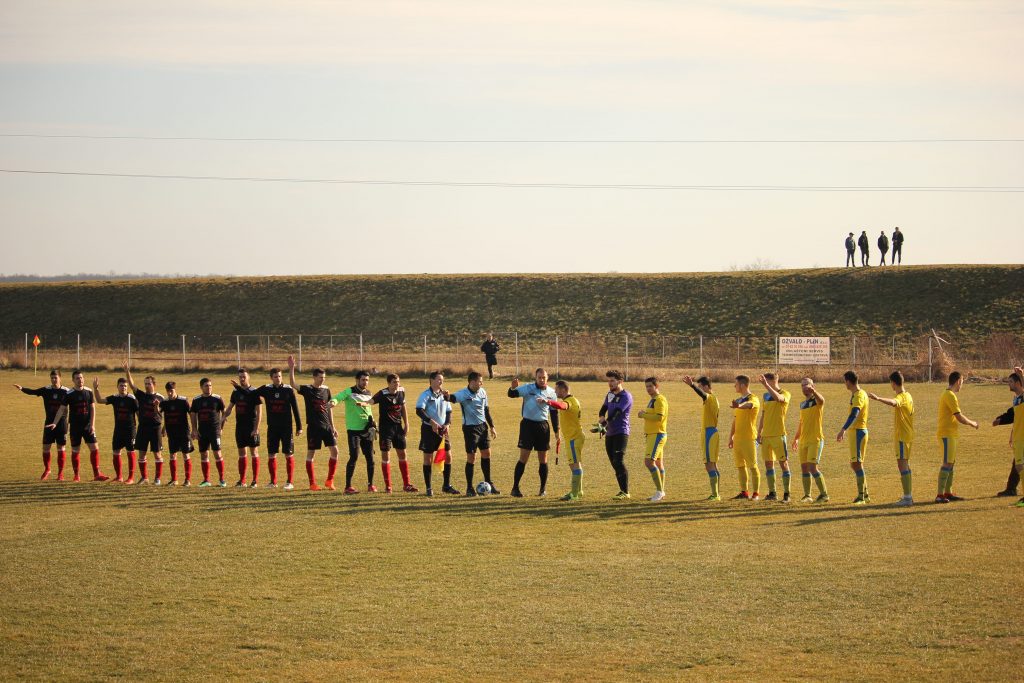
<point>971,301</point>
<point>108,582</point>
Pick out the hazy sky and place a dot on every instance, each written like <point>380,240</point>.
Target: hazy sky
<point>475,70</point>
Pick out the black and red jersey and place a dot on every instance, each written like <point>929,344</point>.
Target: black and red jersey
<point>125,409</point>
<point>390,407</point>
<point>53,399</point>
<point>281,406</point>
<point>209,410</point>
<point>318,406</point>
<point>80,407</point>
<point>245,402</point>
<point>149,408</point>
<point>175,412</point>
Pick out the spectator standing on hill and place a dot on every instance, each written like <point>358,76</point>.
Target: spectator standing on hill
<point>865,248</point>
<point>490,349</point>
<point>883,246</point>
<point>851,248</point>
<point>897,247</point>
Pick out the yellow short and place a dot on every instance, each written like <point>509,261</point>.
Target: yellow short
<point>574,449</point>
<point>810,451</point>
<point>858,444</point>
<point>710,445</point>
<point>655,446</point>
<point>903,449</point>
<point>1018,452</point>
<point>949,446</point>
<point>745,452</point>
<point>774,448</point>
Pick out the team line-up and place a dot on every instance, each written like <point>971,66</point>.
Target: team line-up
<point>142,417</point>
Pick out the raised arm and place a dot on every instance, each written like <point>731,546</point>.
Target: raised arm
<point>96,390</point>
<point>128,376</point>
<point>291,372</point>
<point>887,401</point>
<point>295,412</point>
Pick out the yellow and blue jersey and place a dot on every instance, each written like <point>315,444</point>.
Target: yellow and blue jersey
<point>775,414</point>
<point>656,415</point>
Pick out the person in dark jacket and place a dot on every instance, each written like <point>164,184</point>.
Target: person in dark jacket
<point>897,247</point>
<point>865,248</point>
<point>851,248</point>
<point>1016,384</point>
<point>883,246</point>
<point>490,349</point>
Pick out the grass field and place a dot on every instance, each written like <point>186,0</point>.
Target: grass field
<point>108,582</point>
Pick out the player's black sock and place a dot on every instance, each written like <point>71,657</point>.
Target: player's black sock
<point>447,474</point>
<point>485,467</point>
<point>469,475</point>
<point>621,473</point>
<point>350,468</point>
<point>542,470</point>
<point>520,468</point>
<point>426,475</point>
<point>369,470</point>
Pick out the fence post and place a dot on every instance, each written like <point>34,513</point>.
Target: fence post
<point>853,362</point>
<point>737,351</point>
<point>776,355</point>
<point>183,367</point>
<point>517,353</point>
<point>129,349</point>
<point>360,349</point>
<point>894,348</point>
<point>26,350</point>
<point>238,348</point>
<point>929,359</point>
<point>556,358</point>
<point>702,354</point>
<point>625,374</point>
<point>300,353</point>
<point>78,349</point>
<point>424,354</point>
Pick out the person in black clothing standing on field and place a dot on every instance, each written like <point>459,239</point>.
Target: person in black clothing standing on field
<point>490,348</point>
<point>53,399</point>
<point>897,247</point>
<point>865,248</point>
<point>883,246</point>
<point>851,248</point>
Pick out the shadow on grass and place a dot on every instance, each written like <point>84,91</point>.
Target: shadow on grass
<point>277,501</point>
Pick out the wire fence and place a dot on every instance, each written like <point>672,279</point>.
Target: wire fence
<point>570,356</point>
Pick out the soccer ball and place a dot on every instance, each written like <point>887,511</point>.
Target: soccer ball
<point>483,488</point>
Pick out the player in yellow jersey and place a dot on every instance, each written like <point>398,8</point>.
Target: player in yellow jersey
<point>857,421</point>
<point>903,436</point>
<point>708,431</point>
<point>771,434</point>
<point>810,441</point>
<point>743,439</point>
<point>572,435</point>
<point>950,419</point>
<point>655,417</point>
<point>1015,416</point>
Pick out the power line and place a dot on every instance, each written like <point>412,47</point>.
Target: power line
<point>549,185</point>
<point>499,141</point>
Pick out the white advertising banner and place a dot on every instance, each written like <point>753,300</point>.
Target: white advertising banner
<point>804,351</point>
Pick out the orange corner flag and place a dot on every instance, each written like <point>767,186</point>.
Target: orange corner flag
<point>35,341</point>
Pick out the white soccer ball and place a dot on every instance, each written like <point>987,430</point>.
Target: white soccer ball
<point>483,488</point>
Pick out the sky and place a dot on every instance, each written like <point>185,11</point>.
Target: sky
<point>492,137</point>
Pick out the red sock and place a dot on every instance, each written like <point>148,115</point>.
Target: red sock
<point>272,465</point>
<point>255,468</point>
<point>61,456</point>
<point>241,468</point>
<point>188,468</point>
<point>332,467</point>
<point>159,468</point>
<point>117,465</point>
<point>403,466</point>
<point>309,471</point>
<point>46,461</point>
<point>94,461</point>
<point>289,462</point>
<point>76,462</point>
<point>206,470</point>
<point>220,469</point>
<point>131,464</point>
<point>174,469</point>
<point>385,468</point>
<point>143,468</point>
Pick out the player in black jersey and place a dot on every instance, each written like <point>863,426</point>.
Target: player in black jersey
<point>281,406</point>
<point>207,412</point>
<point>150,423</point>
<point>393,426</point>
<point>176,410</point>
<point>245,402</point>
<point>320,429</point>
<point>126,408</point>
<point>53,399</point>
<point>78,404</point>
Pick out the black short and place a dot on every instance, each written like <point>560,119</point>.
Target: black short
<point>179,443</point>
<point>616,444</point>
<point>430,441</point>
<point>209,441</point>
<point>535,436</point>
<point>123,438</point>
<point>244,438</point>
<point>57,436</point>
<point>149,439</point>
<point>317,438</point>
<point>79,434</point>
<point>477,437</point>
<point>280,441</point>
<point>392,437</point>
<point>360,441</point>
